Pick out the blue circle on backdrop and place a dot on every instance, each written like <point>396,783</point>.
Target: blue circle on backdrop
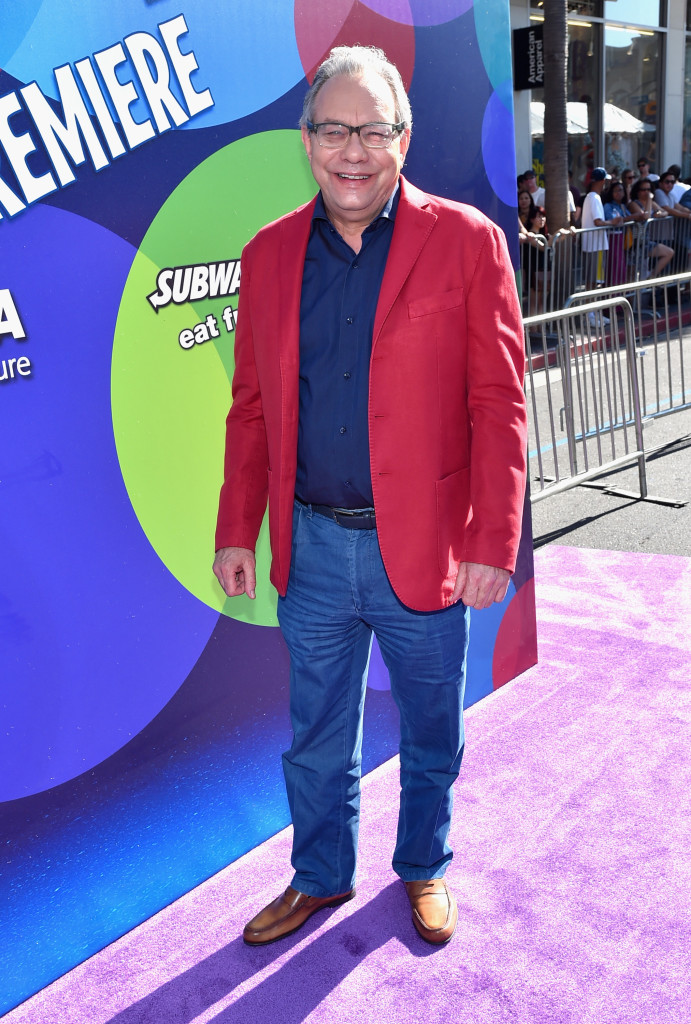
<point>96,634</point>
<point>15,21</point>
<point>493,30</point>
<point>497,146</point>
<point>226,53</point>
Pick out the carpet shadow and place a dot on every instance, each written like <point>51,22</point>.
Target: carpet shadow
<point>294,991</point>
<point>185,997</point>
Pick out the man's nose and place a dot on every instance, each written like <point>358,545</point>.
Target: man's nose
<point>354,149</point>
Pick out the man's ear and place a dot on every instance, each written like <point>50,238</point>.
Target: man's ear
<point>307,141</point>
<point>403,143</point>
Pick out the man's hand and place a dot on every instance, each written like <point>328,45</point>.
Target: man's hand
<point>479,586</point>
<point>234,568</point>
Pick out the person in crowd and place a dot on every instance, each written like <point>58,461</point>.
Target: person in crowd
<point>644,208</point>
<point>538,222</point>
<point>594,244</point>
<point>644,170</point>
<point>617,214</point>
<point>680,187</point>
<point>665,199</point>
<point>627,179</point>
<point>378,406</point>
<point>533,247</point>
<point>576,210</point>
<point>536,191</point>
<point>526,211</point>
<point>539,274</point>
<point>536,244</point>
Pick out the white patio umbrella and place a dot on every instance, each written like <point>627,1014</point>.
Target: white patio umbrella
<point>617,121</point>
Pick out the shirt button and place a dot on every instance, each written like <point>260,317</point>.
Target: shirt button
<point>346,375</point>
<point>343,430</point>
<point>349,319</point>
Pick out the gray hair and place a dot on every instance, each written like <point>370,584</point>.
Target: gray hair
<point>355,61</point>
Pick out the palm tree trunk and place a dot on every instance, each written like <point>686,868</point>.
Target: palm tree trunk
<point>555,41</point>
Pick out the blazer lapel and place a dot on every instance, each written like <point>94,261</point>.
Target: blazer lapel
<point>412,228</point>
<point>295,232</point>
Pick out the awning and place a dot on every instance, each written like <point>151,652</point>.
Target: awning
<point>617,121</point>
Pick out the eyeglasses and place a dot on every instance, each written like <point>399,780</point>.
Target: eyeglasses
<point>375,135</point>
<point>668,181</point>
<point>644,164</point>
<point>629,177</point>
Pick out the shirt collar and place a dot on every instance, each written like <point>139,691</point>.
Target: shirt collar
<point>388,213</point>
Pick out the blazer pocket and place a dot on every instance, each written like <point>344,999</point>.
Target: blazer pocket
<point>453,514</point>
<point>435,303</point>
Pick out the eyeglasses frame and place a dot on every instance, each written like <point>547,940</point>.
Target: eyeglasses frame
<point>356,130</point>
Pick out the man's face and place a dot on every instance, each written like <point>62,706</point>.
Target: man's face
<point>355,182</point>
<point>668,182</point>
<point>531,184</point>
<point>643,169</point>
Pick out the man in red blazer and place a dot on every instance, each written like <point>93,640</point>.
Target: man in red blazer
<point>378,407</point>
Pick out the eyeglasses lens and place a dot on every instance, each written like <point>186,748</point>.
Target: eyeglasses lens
<point>372,136</point>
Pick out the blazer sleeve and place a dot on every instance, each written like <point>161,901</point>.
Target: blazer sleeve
<point>496,407</point>
<point>244,493</point>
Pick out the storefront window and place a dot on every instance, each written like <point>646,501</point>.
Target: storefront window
<point>627,122</point>
<point>686,139</point>
<point>635,12</point>
<point>586,8</point>
<point>632,91</point>
<point>583,111</point>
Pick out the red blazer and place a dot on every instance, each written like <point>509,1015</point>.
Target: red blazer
<point>447,419</point>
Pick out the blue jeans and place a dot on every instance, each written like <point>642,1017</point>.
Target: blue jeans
<point>338,595</point>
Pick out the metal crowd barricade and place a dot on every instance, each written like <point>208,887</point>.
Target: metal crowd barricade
<point>593,389</point>
<point>580,261</point>
<point>661,310</point>
<point>662,304</point>
<point>602,257</point>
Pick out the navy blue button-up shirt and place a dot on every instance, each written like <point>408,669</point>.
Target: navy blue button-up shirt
<point>340,291</point>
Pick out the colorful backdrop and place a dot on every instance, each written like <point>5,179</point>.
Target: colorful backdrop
<point>142,143</point>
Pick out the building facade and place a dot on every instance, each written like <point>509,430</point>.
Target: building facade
<point>629,85</point>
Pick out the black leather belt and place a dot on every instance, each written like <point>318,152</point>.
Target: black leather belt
<point>350,519</point>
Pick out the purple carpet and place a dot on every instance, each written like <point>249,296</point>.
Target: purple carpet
<point>572,833</point>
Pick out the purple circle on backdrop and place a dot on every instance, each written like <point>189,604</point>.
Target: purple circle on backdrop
<point>96,634</point>
<point>419,12</point>
<point>497,128</point>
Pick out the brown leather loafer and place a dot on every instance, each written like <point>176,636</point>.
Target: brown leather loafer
<point>286,914</point>
<point>435,914</point>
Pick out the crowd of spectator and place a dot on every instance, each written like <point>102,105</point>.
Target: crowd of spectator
<point>617,203</point>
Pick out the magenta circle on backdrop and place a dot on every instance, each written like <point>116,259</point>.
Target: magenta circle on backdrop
<point>341,22</point>
<point>420,12</point>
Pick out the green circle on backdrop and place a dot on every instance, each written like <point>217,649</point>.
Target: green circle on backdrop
<point>169,403</point>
